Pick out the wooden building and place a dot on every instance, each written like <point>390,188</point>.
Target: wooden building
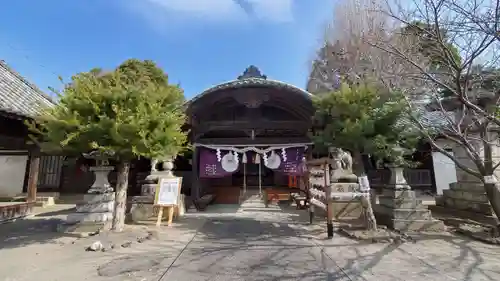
<point>19,101</point>
<point>250,117</point>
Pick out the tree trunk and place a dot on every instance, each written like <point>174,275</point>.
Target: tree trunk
<point>493,192</point>
<point>366,202</point>
<point>121,196</point>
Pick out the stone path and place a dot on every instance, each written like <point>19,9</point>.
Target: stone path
<point>241,243</point>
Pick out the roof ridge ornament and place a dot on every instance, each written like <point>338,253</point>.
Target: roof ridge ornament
<point>252,72</point>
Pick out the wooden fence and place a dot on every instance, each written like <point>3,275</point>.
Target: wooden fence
<point>416,178</point>
<point>49,175</point>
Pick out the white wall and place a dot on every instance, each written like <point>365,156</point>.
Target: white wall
<point>445,171</point>
<point>12,171</point>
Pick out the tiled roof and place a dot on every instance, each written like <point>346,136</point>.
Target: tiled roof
<point>251,77</point>
<point>434,121</point>
<point>18,96</point>
<point>252,82</point>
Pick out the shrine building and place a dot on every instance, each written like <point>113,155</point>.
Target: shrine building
<point>248,134</point>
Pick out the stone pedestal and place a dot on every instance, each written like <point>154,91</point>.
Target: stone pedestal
<point>344,206</point>
<point>97,207</point>
<point>399,208</point>
<point>467,197</point>
<point>101,183</point>
<point>467,200</point>
<point>142,206</point>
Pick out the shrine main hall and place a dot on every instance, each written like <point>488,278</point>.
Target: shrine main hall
<point>248,135</point>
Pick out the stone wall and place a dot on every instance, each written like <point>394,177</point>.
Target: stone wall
<point>468,193</point>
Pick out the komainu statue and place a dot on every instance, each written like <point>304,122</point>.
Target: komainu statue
<point>341,164</point>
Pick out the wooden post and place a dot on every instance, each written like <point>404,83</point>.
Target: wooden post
<point>33,177</point>
<point>170,215</point>
<point>329,204</point>
<point>195,183</point>
<point>160,216</point>
<point>244,179</point>
<point>308,185</point>
<point>260,176</point>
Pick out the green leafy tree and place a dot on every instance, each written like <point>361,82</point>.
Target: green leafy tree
<point>363,120</point>
<point>129,112</point>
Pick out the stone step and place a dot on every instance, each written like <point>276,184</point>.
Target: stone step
<point>97,207</point>
<point>431,225</point>
<point>460,204</point>
<point>98,198</point>
<point>469,195</point>
<point>468,186</point>
<point>45,201</point>
<point>463,214</point>
<point>406,214</point>
<point>411,214</point>
<point>403,203</point>
<point>399,193</point>
<point>83,230</point>
<point>89,217</point>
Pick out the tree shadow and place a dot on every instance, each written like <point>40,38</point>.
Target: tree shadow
<point>28,231</point>
<point>223,237</point>
<point>470,260</point>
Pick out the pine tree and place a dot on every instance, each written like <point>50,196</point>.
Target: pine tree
<point>129,112</point>
<point>363,120</point>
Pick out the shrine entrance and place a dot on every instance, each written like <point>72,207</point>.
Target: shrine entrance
<point>249,134</point>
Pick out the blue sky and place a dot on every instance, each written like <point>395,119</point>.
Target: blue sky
<point>199,43</point>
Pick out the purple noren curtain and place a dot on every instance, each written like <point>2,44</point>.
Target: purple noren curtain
<point>209,166</point>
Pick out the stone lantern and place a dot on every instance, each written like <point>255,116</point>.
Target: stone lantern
<point>98,204</point>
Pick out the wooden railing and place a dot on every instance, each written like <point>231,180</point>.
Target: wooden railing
<point>416,178</point>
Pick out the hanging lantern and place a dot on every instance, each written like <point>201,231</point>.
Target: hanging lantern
<point>229,163</point>
<point>273,161</point>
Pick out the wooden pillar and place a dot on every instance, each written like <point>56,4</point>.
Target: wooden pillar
<point>307,182</point>
<point>195,184</point>
<point>33,176</point>
<point>329,203</point>
<point>260,178</point>
<point>244,178</point>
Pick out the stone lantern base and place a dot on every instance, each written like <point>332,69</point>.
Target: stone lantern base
<point>400,209</point>
<point>96,209</point>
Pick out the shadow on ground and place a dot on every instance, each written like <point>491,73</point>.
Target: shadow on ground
<point>24,232</point>
<point>260,248</point>
<point>223,238</point>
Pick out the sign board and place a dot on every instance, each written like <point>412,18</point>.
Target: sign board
<point>167,191</point>
<point>364,184</point>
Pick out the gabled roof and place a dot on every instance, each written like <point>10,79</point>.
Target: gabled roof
<point>252,78</point>
<point>435,121</point>
<point>18,96</point>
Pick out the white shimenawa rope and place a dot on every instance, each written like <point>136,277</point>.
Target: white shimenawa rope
<point>253,148</point>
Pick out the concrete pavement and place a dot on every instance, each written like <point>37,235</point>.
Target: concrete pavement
<point>247,242</point>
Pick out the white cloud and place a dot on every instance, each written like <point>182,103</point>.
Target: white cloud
<point>208,9</point>
<point>214,10</point>
<point>273,10</point>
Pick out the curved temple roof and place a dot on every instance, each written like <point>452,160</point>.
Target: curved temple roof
<point>251,78</point>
